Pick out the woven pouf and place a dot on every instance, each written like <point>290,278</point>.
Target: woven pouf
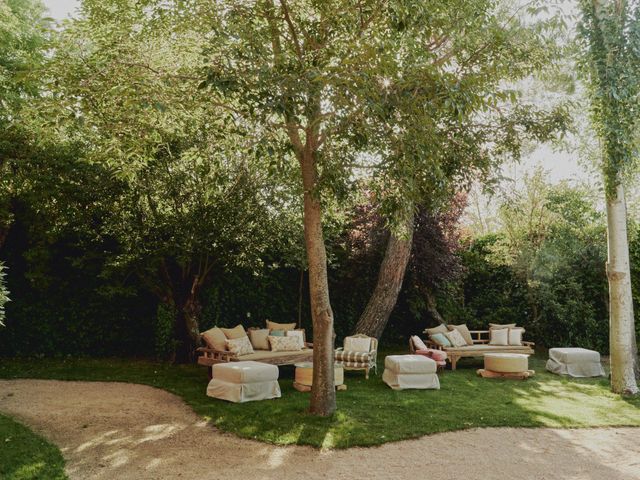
<point>506,362</point>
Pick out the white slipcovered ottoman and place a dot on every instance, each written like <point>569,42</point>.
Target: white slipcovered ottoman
<point>241,382</point>
<point>576,362</point>
<point>410,371</point>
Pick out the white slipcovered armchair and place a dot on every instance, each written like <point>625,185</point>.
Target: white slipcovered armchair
<point>359,353</point>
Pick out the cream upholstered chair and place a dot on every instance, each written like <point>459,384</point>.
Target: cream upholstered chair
<point>359,353</point>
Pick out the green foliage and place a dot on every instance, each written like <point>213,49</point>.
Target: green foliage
<point>370,413</point>
<point>27,456</point>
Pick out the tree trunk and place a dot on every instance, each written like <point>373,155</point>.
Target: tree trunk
<point>376,314</point>
<point>323,394</point>
<point>621,320</point>
<point>432,308</point>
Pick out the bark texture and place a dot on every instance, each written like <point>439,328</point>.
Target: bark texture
<point>323,394</point>
<point>621,320</point>
<point>376,314</point>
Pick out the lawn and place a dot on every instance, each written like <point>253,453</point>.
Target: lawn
<point>369,413</point>
<point>27,456</point>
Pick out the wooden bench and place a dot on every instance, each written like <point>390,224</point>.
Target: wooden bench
<point>480,347</point>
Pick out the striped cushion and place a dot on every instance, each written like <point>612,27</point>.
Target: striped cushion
<point>348,356</point>
<point>356,364</point>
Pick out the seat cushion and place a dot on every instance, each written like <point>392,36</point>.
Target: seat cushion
<point>244,372</point>
<point>410,364</point>
<point>573,355</point>
<point>506,362</point>
<point>348,356</point>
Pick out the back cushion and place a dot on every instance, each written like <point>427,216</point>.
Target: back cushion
<point>214,338</point>
<point>280,326</point>
<point>357,344</point>
<point>259,338</point>
<point>235,332</point>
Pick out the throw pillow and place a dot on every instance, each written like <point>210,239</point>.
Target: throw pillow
<point>235,332</point>
<point>280,326</point>
<point>240,346</point>
<point>439,329</point>
<point>284,344</point>
<point>515,336</point>
<point>464,331</point>
<point>357,344</point>
<point>299,334</point>
<point>440,339</point>
<point>277,333</point>
<point>499,336</point>
<point>456,339</point>
<point>418,344</point>
<point>501,325</point>
<point>258,338</point>
<point>214,338</point>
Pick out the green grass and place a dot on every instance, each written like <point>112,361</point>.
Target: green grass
<point>27,456</point>
<point>369,413</point>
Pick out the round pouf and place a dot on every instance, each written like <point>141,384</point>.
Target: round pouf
<point>304,374</point>
<point>506,362</point>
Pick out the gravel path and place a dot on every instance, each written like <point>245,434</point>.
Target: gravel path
<point>124,431</point>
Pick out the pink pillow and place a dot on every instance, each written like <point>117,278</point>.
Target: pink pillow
<point>437,355</point>
<point>418,344</point>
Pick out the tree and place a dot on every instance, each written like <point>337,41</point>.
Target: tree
<point>610,34</point>
<point>4,293</point>
<point>186,198</point>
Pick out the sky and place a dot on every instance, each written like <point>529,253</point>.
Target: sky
<point>560,165</point>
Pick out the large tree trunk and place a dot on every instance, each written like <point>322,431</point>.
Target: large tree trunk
<point>621,320</point>
<point>376,314</point>
<point>323,394</point>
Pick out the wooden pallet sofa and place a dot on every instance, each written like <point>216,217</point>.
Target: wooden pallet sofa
<point>480,346</point>
<point>217,348</point>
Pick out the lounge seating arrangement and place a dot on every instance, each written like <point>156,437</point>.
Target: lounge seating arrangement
<point>506,365</point>
<point>359,353</point>
<point>575,362</point>
<point>410,371</point>
<point>277,344</point>
<point>458,341</point>
<point>241,382</point>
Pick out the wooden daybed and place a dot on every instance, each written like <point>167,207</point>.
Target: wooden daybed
<point>209,356</point>
<point>480,347</point>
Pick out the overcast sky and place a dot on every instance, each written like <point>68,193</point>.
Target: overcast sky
<point>561,165</point>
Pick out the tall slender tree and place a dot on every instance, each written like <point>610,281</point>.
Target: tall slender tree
<point>610,33</point>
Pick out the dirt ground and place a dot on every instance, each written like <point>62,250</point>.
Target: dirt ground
<point>123,431</point>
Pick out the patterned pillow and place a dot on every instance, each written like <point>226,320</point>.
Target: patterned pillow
<point>299,334</point>
<point>499,336</point>
<point>240,346</point>
<point>284,344</point>
<point>456,338</point>
<point>440,339</point>
<point>515,336</point>
<point>464,331</point>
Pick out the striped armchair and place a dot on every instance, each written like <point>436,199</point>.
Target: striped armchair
<point>359,353</point>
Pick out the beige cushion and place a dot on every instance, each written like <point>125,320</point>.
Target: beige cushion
<point>464,331</point>
<point>410,364</point>
<point>439,329</point>
<point>284,344</point>
<point>506,362</point>
<point>299,334</point>
<point>280,326</point>
<point>259,338</point>
<point>515,335</point>
<point>280,358</point>
<point>214,338</point>
<point>498,325</point>
<point>357,344</point>
<point>418,344</point>
<point>244,372</point>
<point>235,332</point>
<point>456,339</point>
<point>499,336</point>
<point>240,346</point>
